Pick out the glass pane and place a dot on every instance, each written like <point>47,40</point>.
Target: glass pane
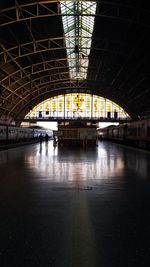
<point>77,106</point>
<point>80,29</point>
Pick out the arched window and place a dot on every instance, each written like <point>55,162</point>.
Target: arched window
<point>78,105</point>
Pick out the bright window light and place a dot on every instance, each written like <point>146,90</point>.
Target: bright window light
<point>78,22</point>
<point>77,105</point>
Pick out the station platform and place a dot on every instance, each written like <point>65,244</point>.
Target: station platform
<point>71,207</point>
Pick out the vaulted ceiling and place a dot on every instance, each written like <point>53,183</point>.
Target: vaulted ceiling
<point>34,64</point>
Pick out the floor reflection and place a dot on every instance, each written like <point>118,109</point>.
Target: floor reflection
<point>74,207</point>
<point>64,164</point>
<point>102,162</point>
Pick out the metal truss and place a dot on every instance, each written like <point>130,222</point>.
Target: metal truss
<point>12,54</point>
<point>32,69</point>
<point>42,9</point>
<point>50,89</point>
<point>18,81</point>
<point>24,84</point>
<point>43,45</point>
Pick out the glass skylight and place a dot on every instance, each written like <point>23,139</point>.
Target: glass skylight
<point>78,22</point>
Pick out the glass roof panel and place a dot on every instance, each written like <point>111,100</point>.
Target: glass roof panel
<point>78,22</point>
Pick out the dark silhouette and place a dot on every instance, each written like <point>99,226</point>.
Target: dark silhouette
<point>46,137</point>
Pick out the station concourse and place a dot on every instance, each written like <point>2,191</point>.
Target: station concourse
<point>78,196</point>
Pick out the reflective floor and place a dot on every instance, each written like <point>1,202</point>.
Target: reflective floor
<point>74,207</point>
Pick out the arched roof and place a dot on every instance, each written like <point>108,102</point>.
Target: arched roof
<point>33,58</point>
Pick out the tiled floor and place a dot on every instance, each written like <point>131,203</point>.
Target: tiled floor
<point>74,208</point>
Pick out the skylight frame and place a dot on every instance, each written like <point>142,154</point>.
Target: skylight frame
<point>78,22</point>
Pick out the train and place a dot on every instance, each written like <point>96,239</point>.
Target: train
<point>135,133</point>
<point>11,134</point>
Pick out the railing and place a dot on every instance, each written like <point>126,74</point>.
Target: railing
<point>97,119</point>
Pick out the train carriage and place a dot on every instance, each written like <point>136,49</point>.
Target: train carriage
<point>14,134</point>
<point>135,133</point>
<point>3,133</point>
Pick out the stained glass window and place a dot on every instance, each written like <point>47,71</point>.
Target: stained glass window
<point>77,105</point>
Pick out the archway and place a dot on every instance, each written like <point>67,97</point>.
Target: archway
<point>77,106</point>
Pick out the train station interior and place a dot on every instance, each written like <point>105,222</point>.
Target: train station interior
<point>74,133</point>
